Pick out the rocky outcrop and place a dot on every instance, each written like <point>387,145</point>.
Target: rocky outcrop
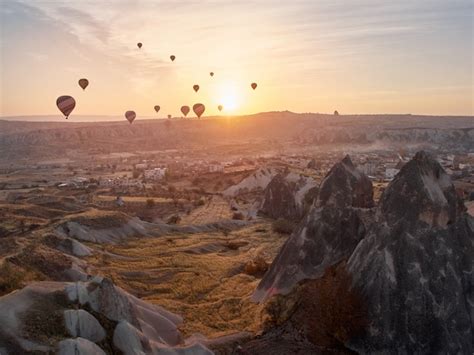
<point>415,267</point>
<point>80,323</point>
<point>285,196</point>
<point>345,186</point>
<point>79,346</point>
<point>258,180</point>
<point>87,318</point>
<point>328,234</point>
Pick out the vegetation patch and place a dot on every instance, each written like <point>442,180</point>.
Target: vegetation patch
<point>43,321</point>
<point>11,278</point>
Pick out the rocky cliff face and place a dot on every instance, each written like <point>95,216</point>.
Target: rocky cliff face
<point>329,232</point>
<point>415,266</point>
<point>285,196</point>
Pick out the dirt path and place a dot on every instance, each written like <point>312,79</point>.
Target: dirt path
<point>215,210</point>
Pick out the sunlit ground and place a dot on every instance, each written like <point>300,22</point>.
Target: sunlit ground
<point>199,276</point>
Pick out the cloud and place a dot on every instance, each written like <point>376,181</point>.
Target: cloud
<point>85,22</point>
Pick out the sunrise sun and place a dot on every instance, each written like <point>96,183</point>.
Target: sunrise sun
<point>229,98</point>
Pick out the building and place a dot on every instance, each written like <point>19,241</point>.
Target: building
<point>155,174</point>
<point>216,168</point>
<point>368,168</point>
<point>120,182</point>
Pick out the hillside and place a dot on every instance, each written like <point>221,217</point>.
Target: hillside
<point>44,138</point>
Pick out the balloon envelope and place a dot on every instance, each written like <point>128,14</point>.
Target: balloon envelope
<point>220,107</point>
<point>65,104</point>
<point>185,110</point>
<point>172,57</point>
<point>254,85</point>
<point>196,88</point>
<point>130,116</point>
<point>83,83</point>
<point>199,109</point>
<point>139,45</point>
<point>211,73</point>
<point>157,108</point>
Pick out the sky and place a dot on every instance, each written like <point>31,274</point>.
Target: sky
<point>364,56</point>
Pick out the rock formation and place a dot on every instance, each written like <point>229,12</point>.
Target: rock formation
<point>257,180</point>
<point>415,266</point>
<point>285,196</point>
<point>328,234</point>
<point>93,317</point>
<point>406,288</point>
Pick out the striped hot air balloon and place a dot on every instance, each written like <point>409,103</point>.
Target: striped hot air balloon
<point>199,109</point>
<point>65,104</point>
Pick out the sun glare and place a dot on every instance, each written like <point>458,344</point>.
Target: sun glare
<point>229,98</point>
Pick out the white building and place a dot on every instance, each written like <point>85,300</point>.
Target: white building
<point>368,168</point>
<point>120,182</point>
<point>155,174</point>
<point>216,168</point>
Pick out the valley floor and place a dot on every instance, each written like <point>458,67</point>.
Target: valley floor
<point>199,276</point>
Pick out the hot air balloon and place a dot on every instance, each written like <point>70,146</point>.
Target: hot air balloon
<point>254,85</point>
<point>172,57</point>
<point>199,109</point>
<point>220,107</point>
<point>83,83</point>
<point>185,110</point>
<point>66,104</point>
<point>211,73</point>
<point>139,44</point>
<point>196,88</point>
<point>130,116</point>
<point>157,108</point>
<point>169,116</point>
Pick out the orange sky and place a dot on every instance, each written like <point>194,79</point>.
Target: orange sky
<point>306,56</point>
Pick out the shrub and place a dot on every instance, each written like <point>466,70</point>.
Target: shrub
<point>150,203</point>
<point>174,219</point>
<point>257,267</point>
<point>200,202</point>
<point>238,216</point>
<point>283,226</point>
<point>11,278</point>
